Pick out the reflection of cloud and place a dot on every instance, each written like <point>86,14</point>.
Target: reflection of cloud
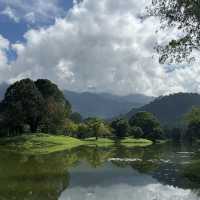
<point>120,184</point>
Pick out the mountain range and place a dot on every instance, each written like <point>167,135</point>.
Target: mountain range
<point>104,105</point>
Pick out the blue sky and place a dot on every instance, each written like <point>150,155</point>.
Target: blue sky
<point>14,31</point>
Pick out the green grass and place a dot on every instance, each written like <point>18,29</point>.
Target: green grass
<point>41,143</point>
<point>45,144</point>
<point>132,142</point>
<point>100,142</point>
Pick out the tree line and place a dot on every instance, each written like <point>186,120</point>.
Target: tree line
<point>40,106</point>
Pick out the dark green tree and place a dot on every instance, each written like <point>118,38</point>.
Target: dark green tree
<point>37,105</point>
<point>23,104</point>
<point>148,123</point>
<point>136,132</point>
<point>76,117</point>
<point>185,15</point>
<point>193,123</point>
<point>120,127</point>
<point>57,108</point>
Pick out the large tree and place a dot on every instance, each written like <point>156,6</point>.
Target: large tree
<point>97,127</point>
<point>23,105</point>
<point>193,122</point>
<point>37,105</point>
<point>120,127</point>
<point>148,123</point>
<point>185,15</point>
<point>57,108</point>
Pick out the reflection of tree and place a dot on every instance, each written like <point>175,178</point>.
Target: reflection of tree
<point>45,177</point>
<point>26,177</point>
<point>191,171</point>
<point>94,155</point>
<point>142,158</point>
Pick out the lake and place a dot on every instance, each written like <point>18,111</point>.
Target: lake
<point>158,172</point>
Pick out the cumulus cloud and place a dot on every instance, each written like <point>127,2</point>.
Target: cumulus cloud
<point>104,45</point>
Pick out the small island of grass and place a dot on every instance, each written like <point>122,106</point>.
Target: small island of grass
<point>46,144</point>
<point>132,142</point>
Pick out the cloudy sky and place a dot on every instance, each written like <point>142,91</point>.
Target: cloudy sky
<point>90,45</point>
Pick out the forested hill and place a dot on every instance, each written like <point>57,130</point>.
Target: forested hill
<point>170,110</point>
<point>104,105</point>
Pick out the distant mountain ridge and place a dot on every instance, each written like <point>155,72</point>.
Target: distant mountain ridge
<point>170,110</point>
<point>104,105</point>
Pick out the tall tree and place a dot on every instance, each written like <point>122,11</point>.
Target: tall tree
<point>57,108</point>
<point>76,117</point>
<point>96,126</point>
<point>193,122</point>
<point>23,104</point>
<point>185,15</point>
<point>148,123</point>
<point>120,127</point>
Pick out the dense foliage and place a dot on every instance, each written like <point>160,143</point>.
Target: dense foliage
<point>140,125</point>
<point>193,121</point>
<point>30,106</point>
<point>23,105</point>
<point>91,127</point>
<point>149,125</point>
<point>185,15</point>
<point>120,128</point>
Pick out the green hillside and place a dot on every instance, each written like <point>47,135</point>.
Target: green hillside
<point>170,110</point>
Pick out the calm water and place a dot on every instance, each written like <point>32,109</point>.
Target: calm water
<point>159,172</point>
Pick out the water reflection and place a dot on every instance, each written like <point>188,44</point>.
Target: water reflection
<point>157,172</point>
<point>112,183</point>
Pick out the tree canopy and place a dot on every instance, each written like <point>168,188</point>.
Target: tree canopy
<point>193,122</point>
<point>37,104</point>
<point>185,15</point>
<point>57,108</point>
<point>120,127</point>
<point>148,123</point>
<point>23,104</point>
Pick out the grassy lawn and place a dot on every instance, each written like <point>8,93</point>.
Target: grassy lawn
<point>41,143</point>
<point>132,142</point>
<point>101,142</point>
<point>45,144</point>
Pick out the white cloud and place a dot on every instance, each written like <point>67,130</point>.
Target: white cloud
<point>4,66</point>
<point>106,46</point>
<point>11,14</point>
